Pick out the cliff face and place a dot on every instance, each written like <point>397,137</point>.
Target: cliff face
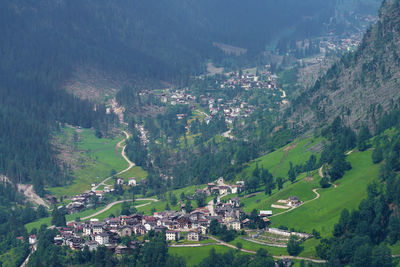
<point>363,84</point>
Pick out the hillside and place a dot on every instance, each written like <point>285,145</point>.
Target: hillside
<point>363,84</point>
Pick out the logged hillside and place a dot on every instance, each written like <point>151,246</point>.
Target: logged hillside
<point>363,84</point>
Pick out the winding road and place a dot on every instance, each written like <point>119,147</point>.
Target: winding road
<point>109,206</point>
<point>130,163</point>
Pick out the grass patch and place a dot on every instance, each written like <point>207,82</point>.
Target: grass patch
<point>194,255</point>
<point>297,152</point>
<point>276,251</point>
<point>97,158</point>
<point>302,188</point>
<point>324,212</point>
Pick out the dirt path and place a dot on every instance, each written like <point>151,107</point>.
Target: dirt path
<point>30,194</point>
<point>284,157</point>
<point>305,202</point>
<point>109,206</point>
<point>33,249</point>
<point>123,153</point>
<point>321,174</point>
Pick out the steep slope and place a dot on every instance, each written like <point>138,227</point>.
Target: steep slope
<point>363,84</point>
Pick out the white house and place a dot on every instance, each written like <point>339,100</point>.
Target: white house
<point>32,239</point>
<point>102,239</point>
<point>120,181</point>
<point>87,230</point>
<point>193,236</point>
<point>132,181</point>
<point>172,235</point>
<point>97,229</point>
<point>265,213</point>
<point>235,225</point>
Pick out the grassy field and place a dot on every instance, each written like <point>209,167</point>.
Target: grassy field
<point>194,255</point>
<point>278,162</point>
<point>277,251</point>
<point>324,212</point>
<point>96,158</point>
<point>302,188</point>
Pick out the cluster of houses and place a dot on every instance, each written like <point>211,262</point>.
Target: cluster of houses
<point>85,200</point>
<point>177,225</point>
<point>221,188</point>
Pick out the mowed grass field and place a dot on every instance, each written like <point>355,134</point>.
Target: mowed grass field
<point>302,188</point>
<point>194,255</point>
<point>278,162</point>
<point>322,213</point>
<point>96,157</point>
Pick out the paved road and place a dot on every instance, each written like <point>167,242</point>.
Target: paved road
<point>131,164</point>
<point>109,206</point>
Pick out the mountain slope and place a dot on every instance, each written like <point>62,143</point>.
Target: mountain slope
<point>363,84</point>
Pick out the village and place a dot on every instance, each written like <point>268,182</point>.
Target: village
<point>235,108</point>
<point>178,226</point>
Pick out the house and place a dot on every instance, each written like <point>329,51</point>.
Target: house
<point>246,222</point>
<point>139,229</point>
<point>223,189</point>
<point>125,231</point>
<point>235,225</point>
<point>132,181</point>
<point>293,201</point>
<point>32,239</point>
<point>121,249</point>
<point>235,202</point>
<point>171,235</point>
<point>97,228</point>
<point>87,230</point>
<point>102,238</point>
<point>264,213</point>
<point>234,189</point>
<point>193,236</point>
<point>120,181</point>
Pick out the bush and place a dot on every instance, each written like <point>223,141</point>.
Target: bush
<point>293,246</point>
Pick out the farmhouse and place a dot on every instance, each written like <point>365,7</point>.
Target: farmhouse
<point>293,201</point>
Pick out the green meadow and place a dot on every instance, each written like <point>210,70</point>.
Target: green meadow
<point>96,158</point>
<point>194,255</point>
<point>322,213</point>
<point>302,188</point>
<point>278,162</point>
